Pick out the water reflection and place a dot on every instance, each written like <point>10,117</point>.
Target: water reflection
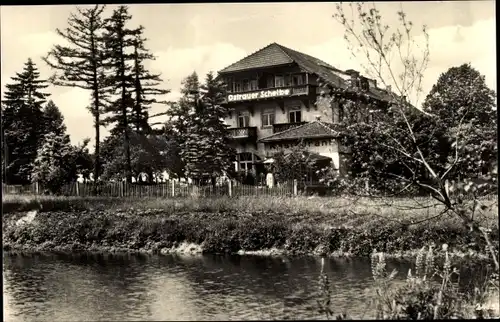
<point>126,287</point>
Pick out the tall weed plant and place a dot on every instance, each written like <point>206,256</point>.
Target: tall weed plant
<point>429,292</point>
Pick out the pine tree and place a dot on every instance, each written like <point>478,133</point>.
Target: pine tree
<point>180,110</point>
<point>145,85</point>
<point>81,64</point>
<point>54,165</point>
<point>206,151</point>
<point>21,115</point>
<point>177,127</point>
<point>119,44</point>
<point>53,120</point>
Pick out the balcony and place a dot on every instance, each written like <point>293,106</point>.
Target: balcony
<point>242,133</point>
<point>270,93</point>
<point>280,127</point>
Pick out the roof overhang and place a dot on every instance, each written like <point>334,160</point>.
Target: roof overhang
<point>313,137</point>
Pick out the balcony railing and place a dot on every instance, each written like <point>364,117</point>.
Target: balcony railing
<point>249,132</point>
<point>300,90</point>
<point>280,127</point>
<point>269,93</point>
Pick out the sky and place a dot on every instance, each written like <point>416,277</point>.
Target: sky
<point>205,37</point>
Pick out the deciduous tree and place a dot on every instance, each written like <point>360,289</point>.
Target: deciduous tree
<point>295,164</point>
<point>374,41</point>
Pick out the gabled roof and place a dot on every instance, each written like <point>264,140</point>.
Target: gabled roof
<point>315,129</point>
<point>271,55</point>
<point>277,55</point>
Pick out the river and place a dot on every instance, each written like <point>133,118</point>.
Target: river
<point>54,287</point>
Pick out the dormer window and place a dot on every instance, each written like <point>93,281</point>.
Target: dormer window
<point>364,85</point>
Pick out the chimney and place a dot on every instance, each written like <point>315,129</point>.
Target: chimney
<point>354,77</point>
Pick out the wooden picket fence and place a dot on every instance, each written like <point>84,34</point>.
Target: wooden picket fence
<point>175,189</point>
<point>159,190</point>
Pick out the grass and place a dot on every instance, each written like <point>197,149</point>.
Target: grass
<point>227,225</point>
<point>334,211</point>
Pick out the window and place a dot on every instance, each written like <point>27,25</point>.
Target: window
<point>246,85</point>
<point>253,85</point>
<point>295,115</point>
<point>364,84</point>
<point>341,112</point>
<point>237,86</point>
<point>270,81</point>
<point>243,119</point>
<point>246,162</point>
<point>298,79</point>
<point>230,85</point>
<point>279,81</point>
<point>267,118</point>
<point>288,80</point>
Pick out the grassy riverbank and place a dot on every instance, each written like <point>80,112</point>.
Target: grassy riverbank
<point>293,226</point>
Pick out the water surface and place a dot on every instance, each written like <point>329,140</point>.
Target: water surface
<point>51,287</point>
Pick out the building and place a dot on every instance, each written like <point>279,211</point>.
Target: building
<point>273,100</point>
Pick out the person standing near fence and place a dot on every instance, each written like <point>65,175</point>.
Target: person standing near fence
<point>270,180</point>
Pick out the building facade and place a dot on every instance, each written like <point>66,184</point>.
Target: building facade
<point>273,102</point>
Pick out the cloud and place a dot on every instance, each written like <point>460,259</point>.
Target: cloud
<point>448,46</point>
<point>177,63</point>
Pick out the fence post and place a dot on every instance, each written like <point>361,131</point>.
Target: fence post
<point>77,189</point>
<point>295,188</point>
<point>172,182</point>
<point>230,187</point>
<point>37,188</point>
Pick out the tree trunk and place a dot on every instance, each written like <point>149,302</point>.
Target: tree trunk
<point>97,160</point>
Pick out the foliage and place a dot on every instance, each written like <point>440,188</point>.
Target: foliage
<point>80,63</point>
<point>420,297</point>
<point>465,110</point>
<point>54,165</point>
<point>177,127</point>
<point>119,40</point>
<point>21,129</point>
<point>206,150</point>
<point>83,160</point>
<point>149,154</point>
<point>416,137</point>
<point>296,225</point>
<point>53,121</point>
<point>296,164</point>
<point>145,85</point>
